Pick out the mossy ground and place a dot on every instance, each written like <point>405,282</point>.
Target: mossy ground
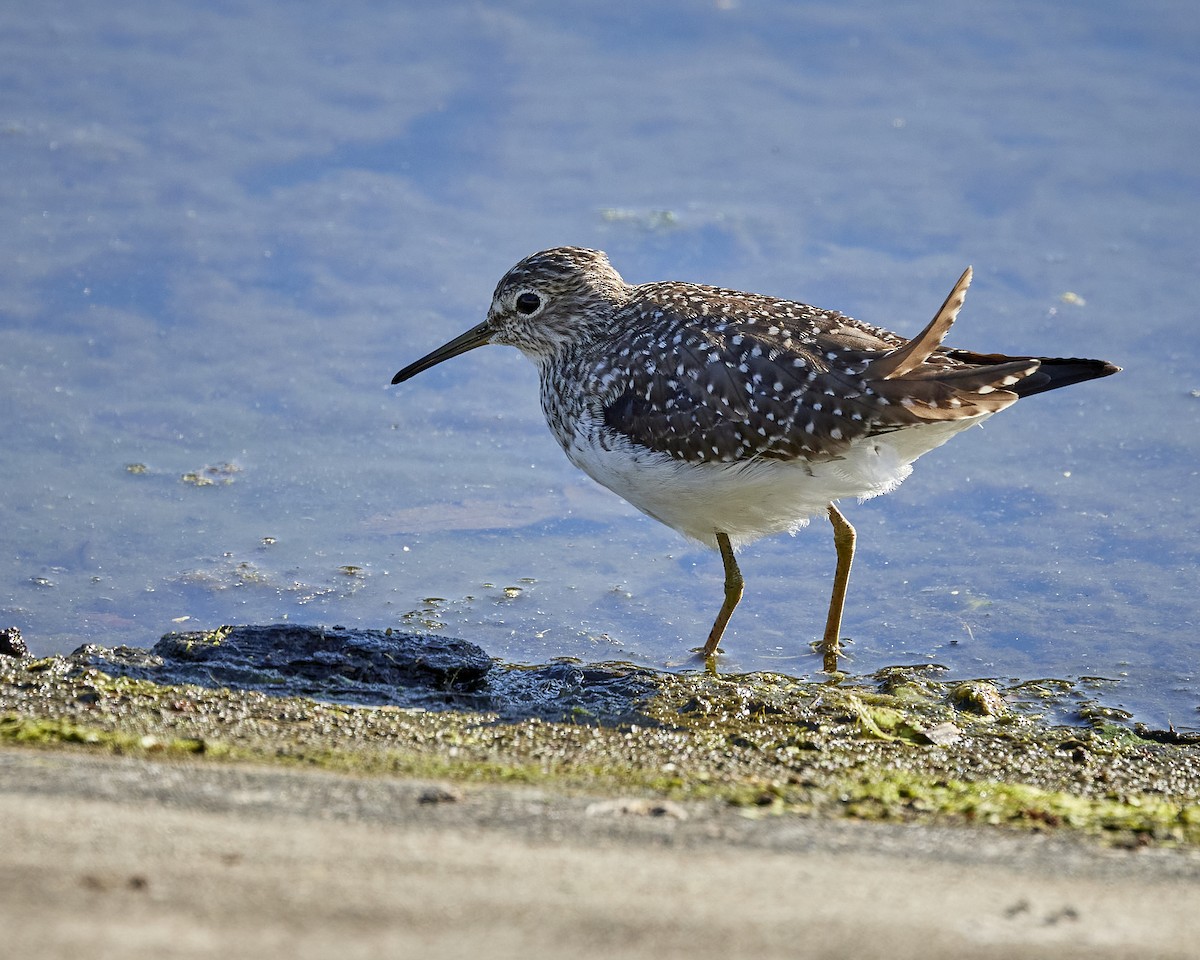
<point>898,746</point>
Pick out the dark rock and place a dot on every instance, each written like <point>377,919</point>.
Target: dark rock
<point>1172,735</point>
<point>11,644</point>
<point>439,794</point>
<point>381,667</point>
<point>374,667</point>
<point>253,655</point>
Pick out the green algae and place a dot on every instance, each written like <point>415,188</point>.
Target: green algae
<point>44,732</point>
<point>898,746</point>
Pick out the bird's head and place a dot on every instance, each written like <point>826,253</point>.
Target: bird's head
<point>546,302</point>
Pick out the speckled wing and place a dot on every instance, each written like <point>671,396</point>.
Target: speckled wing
<point>718,375</point>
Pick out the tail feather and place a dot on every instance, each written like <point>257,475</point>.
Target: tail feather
<point>1052,372</point>
<point>909,356</point>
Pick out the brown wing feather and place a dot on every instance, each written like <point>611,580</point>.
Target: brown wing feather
<point>768,378</point>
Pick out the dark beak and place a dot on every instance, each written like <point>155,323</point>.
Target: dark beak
<point>475,337</point>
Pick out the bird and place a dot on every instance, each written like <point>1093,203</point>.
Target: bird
<point>731,416</point>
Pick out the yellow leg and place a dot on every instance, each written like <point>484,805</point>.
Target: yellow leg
<point>734,585</point>
<point>843,540</point>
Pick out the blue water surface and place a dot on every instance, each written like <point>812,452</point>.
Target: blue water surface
<point>227,226</point>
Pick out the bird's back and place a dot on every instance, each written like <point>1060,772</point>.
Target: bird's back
<point>705,374</point>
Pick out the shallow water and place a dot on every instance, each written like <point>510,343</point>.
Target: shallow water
<point>225,232</point>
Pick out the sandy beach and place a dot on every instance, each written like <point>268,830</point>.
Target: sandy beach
<point>112,856</point>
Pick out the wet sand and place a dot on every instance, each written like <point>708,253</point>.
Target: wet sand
<point>110,856</point>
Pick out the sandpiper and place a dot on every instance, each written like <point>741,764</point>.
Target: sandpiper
<point>729,416</point>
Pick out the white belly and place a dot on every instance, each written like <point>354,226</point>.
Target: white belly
<point>756,498</point>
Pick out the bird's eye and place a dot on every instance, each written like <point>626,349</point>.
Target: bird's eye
<point>528,303</point>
